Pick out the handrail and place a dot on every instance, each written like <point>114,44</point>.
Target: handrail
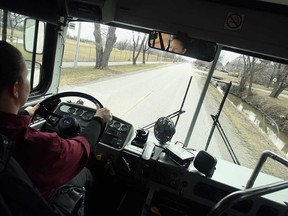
<point>260,163</point>
<point>249,192</point>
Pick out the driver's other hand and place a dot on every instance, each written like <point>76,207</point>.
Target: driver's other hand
<point>31,109</point>
<point>104,114</point>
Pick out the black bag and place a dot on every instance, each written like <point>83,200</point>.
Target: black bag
<point>68,200</point>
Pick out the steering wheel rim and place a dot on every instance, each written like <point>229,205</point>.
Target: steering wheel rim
<point>46,114</point>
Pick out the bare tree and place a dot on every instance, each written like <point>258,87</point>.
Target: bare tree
<point>136,40</point>
<point>123,45</point>
<point>244,74</point>
<point>14,20</point>
<point>272,75</point>
<point>281,80</point>
<point>103,53</point>
<point>251,76</point>
<point>250,67</point>
<point>110,41</point>
<point>145,48</point>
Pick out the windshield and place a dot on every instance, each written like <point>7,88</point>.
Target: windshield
<point>140,85</point>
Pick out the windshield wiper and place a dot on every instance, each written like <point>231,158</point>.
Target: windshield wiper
<point>175,114</point>
<point>217,124</point>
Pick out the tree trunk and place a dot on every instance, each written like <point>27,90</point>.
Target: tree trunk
<point>110,41</point>
<point>252,71</point>
<point>98,44</point>
<point>281,83</point>
<point>143,57</point>
<point>244,75</point>
<point>135,45</point>
<point>103,55</point>
<point>144,49</point>
<point>267,85</point>
<point>11,27</point>
<point>276,91</point>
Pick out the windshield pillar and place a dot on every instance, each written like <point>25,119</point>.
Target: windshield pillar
<point>202,96</point>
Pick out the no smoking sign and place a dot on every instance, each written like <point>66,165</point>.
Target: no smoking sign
<point>234,21</point>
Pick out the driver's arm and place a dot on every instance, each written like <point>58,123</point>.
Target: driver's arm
<point>30,110</point>
<point>95,128</point>
<point>92,132</point>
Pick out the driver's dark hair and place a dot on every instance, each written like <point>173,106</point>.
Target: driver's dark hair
<point>11,64</point>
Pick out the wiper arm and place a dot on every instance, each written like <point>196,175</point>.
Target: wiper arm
<point>175,114</point>
<point>172,115</point>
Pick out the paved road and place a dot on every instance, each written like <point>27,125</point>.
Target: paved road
<point>144,97</point>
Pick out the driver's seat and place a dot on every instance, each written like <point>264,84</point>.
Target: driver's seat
<point>18,195</point>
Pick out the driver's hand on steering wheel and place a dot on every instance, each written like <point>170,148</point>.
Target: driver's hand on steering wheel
<point>104,114</point>
<point>31,109</point>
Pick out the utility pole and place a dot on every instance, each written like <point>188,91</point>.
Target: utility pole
<point>77,46</point>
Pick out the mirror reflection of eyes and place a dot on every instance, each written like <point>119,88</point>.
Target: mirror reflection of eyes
<point>182,44</point>
<point>177,46</point>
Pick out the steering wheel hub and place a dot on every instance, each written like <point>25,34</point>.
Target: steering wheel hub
<point>69,126</point>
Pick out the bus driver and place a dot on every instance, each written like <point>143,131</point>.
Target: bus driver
<point>49,160</point>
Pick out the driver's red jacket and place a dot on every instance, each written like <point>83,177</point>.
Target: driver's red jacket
<point>49,160</point>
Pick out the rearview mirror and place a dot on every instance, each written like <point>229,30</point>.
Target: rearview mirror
<point>182,44</point>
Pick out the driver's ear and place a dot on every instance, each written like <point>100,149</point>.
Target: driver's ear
<point>15,88</point>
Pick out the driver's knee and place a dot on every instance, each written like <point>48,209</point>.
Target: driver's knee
<point>84,178</point>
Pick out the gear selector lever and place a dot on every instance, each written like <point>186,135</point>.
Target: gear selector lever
<point>141,138</point>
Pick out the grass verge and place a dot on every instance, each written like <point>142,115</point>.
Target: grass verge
<point>86,74</point>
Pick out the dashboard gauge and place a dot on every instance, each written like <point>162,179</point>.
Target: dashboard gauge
<point>124,128</point>
<point>79,111</point>
<point>87,116</point>
<point>71,110</point>
<point>116,124</point>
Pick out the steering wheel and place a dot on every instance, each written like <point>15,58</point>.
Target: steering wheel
<point>65,122</point>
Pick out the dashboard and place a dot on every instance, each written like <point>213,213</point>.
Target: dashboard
<point>176,189</point>
<point>116,133</point>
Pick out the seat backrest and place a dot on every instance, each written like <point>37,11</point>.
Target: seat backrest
<point>18,195</point>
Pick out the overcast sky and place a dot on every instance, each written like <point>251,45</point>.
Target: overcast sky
<point>87,30</point>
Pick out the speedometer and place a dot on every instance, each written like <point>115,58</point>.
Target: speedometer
<point>87,116</point>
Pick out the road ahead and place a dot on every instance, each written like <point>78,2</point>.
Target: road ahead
<point>143,97</point>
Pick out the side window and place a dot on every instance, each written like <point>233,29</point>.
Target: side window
<point>25,34</point>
